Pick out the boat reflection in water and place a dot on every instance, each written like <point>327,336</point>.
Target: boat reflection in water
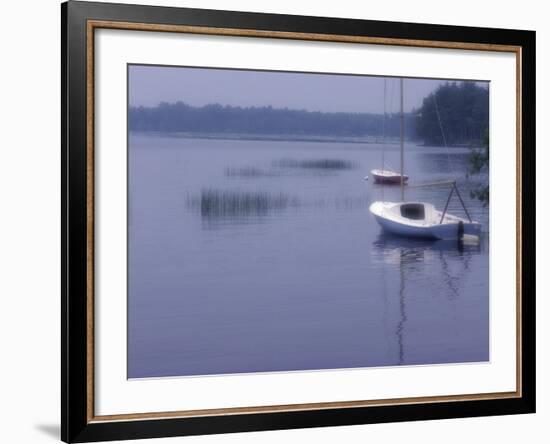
<point>393,249</point>
<point>426,291</point>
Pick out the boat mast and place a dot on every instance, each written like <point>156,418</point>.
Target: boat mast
<point>402,136</point>
<point>384,136</point>
<point>384,126</point>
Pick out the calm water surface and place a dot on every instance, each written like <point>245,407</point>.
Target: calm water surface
<point>255,256</point>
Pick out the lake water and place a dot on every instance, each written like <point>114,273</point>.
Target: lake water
<point>259,256</point>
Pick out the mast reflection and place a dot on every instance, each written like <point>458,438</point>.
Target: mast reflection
<point>410,256</point>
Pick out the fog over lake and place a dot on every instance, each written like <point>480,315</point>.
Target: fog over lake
<point>261,255</point>
<point>251,247</point>
<point>152,85</point>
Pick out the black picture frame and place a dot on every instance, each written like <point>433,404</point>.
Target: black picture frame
<point>76,423</point>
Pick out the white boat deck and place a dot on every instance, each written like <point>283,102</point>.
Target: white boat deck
<point>420,219</point>
<point>384,173</point>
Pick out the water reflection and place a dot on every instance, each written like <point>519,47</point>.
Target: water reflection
<point>411,258</point>
<point>401,250</point>
<point>402,317</point>
<point>286,265</point>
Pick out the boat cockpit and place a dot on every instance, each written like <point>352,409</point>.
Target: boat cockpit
<point>414,211</point>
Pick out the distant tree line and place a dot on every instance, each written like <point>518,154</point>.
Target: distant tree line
<point>219,119</point>
<point>459,110</point>
<point>463,115</point>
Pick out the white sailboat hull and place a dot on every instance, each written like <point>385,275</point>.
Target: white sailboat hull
<point>430,226</point>
<point>388,177</point>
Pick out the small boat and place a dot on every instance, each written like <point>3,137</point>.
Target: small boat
<point>384,175</point>
<point>388,177</point>
<point>422,220</point>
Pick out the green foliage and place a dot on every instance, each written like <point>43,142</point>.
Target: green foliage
<point>479,164</point>
<point>464,112</point>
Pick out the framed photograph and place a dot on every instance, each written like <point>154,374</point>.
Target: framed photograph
<point>275,221</point>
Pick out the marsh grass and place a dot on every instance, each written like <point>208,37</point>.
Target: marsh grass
<point>316,164</point>
<point>217,203</point>
<point>249,172</point>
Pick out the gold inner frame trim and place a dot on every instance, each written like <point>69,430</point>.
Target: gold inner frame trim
<point>97,24</point>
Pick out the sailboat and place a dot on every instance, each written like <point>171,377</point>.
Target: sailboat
<point>421,219</point>
<point>384,175</point>
<point>388,177</point>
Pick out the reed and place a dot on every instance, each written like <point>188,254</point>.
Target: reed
<point>248,172</point>
<point>316,164</point>
<point>218,203</point>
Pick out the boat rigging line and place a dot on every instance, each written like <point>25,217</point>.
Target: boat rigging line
<point>401,141</point>
<point>451,166</point>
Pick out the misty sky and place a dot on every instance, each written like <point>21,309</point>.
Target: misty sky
<point>150,85</point>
